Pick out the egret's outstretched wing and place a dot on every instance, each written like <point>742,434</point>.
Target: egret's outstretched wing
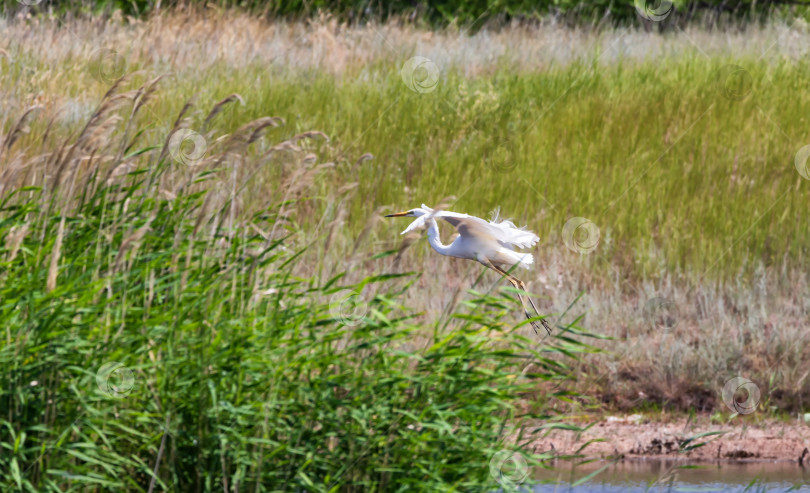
<point>419,222</point>
<point>504,232</point>
<point>519,237</point>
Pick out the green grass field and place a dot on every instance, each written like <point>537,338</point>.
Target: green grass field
<point>684,163</point>
<point>177,312</point>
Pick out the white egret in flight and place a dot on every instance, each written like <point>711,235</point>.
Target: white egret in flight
<point>492,243</point>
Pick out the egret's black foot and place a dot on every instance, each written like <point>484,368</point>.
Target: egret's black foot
<point>536,327</point>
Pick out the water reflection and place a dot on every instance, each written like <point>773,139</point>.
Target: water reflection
<point>659,476</point>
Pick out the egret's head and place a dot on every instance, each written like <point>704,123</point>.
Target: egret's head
<point>418,212</point>
<point>421,213</point>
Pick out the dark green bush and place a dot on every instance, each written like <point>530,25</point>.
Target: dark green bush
<point>442,12</point>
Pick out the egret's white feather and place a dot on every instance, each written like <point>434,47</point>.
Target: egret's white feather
<point>493,243</point>
<point>420,222</point>
<point>505,231</point>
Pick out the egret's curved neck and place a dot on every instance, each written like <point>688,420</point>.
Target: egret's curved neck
<point>434,239</point>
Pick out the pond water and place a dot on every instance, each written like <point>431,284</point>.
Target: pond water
<point>666,476</point>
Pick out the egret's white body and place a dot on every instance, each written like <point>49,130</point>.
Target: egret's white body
<point>492,243</point>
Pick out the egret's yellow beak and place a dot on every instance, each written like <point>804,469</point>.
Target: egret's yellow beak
<point>399,214</point>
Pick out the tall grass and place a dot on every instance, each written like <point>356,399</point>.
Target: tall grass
<point>679,172</point>
<point>686,166</point>
<point>156,337</point>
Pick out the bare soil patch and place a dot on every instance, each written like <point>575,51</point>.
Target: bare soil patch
<point>633,437</point>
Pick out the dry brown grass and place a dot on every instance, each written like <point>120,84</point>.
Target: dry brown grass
<point>188,39</point>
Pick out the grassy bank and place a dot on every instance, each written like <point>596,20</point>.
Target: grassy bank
<point>680,149</point>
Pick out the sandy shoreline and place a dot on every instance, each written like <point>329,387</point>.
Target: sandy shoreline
<point>636,438</point>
